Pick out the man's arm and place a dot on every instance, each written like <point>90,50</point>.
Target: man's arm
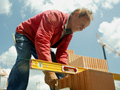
<point>61,53</point>
<point>49,22</point>
<point>43,37</point>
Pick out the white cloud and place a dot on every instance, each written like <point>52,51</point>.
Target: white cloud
<point>54,50</point>
<point>101,14</point>
<point>36,81</point>
<point>22,12</point>
<point>108,4</point>
<point>5,7</point>
<point>117,84</point>
<point>111,33</point>
<point>8,58</point>
<point>66,5</point>
<point>62,5</point>
<point>35,75</point>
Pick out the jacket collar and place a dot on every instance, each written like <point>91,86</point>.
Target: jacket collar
<point>65,22</point>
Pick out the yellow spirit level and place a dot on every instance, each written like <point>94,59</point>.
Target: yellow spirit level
<point>61,68</point>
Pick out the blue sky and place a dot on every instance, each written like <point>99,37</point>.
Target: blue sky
<point>106,24</point>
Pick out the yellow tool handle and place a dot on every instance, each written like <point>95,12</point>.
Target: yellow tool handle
<point>69,69</point>
<point>14,38</point>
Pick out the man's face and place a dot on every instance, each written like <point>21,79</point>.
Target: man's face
<point>78,24</point>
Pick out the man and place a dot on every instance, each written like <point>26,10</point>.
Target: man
<point>46,30</point>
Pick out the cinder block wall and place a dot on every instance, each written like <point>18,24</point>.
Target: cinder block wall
<point>88,80</point>
<point>87,62</point>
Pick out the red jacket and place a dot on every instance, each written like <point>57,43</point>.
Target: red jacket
<point>44,30</point>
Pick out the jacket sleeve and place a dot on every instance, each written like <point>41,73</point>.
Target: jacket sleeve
<point>61,53</point>
<point>43,37</point>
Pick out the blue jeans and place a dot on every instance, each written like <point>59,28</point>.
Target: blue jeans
<point>19,75</point>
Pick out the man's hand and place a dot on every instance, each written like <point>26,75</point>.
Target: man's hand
<point>50,79</point>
